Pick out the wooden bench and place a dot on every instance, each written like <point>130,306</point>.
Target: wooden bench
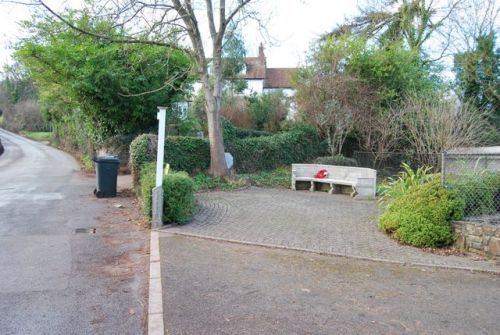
<point>362,180</point>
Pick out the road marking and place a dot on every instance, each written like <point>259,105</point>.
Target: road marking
<point>155,304</point>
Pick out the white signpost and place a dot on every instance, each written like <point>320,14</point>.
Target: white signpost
<point>158,190</point>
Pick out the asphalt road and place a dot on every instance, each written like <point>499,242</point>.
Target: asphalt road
<point>54,280</point>
<point>223,288</point>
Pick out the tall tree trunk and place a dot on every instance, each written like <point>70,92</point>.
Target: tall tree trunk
<point>213,99</point>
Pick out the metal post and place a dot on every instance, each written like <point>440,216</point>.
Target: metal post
<point>158,190</point>
<point>443,168</point>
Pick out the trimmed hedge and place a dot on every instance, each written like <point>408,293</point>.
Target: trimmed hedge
<point>421,216</point>
<point>231,133</point>
<point>251,154</point>
<point>269,152</point>
<point>183,153</point>
<point>338,160</point>
<point>178,188</point>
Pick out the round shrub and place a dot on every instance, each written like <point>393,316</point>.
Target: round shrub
<point>421,216</point>
<point>338,160</point>
<point>178,194</point>
<point>179,201</point>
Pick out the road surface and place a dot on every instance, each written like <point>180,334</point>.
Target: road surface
<point>56,276</point>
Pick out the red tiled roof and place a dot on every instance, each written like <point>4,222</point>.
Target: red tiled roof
<point>278,78</point>
<point>255,69</point>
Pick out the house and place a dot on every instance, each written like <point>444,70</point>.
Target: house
<point>261,79</point>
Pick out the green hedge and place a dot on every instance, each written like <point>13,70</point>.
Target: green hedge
<point>252,154</point>
<point>338,160</point>
<point>178,188</point>
<point>183,153</point>
<point>231,133</point>
<point>421,216</point>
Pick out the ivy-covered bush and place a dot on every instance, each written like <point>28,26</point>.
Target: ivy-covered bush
<point>190,154</point>
<point>178,188</point>
<point>232,133</point>
<point>251,154</point>
<point>183,153</point>
<point>421,216</point>
<point>269,152</point>
<point>142,150</point>
<point>339,160</point>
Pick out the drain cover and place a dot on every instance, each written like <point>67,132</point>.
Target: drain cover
<point>85,231</point>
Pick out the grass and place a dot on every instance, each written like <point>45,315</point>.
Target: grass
<point>279,178</point>
<point>37,135</point>
<point>204,182</point>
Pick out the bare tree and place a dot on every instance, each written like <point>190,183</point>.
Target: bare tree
<point>170,23</point>
<point>333,102</point>
<point>473,19</point>
<point>436,125</point>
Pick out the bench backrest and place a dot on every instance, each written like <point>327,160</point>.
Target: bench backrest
<point>334,171</point>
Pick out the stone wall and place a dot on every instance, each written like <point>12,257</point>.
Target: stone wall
<point>477,237</point>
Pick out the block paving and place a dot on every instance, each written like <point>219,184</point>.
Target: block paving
<point>310,221</point>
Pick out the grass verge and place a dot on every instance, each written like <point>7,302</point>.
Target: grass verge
<point>38,135</point>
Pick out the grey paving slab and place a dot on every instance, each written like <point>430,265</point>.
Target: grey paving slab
<point>315,221</point>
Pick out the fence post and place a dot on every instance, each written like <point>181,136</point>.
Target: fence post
<point>443,168</point>
<point>157,192</point>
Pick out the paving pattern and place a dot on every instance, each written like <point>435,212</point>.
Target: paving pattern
<point>330,224</point>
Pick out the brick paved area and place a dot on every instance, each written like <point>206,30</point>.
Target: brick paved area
<point>319,222</point>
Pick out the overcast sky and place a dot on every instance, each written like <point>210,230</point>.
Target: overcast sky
<point>292,26</point>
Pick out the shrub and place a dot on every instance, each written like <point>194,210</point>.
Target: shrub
<point>479,192</point>
<point>232,133</point>
<point>183,153</point>
<point>178,200</point>
<point>395,188</point>
<point>188,154</point>
<point>252,154</point>
<point>336,160</point>
<point>142,150</point>
<point>269,152</point>
<point>148,181</point>
<point>421,216</point>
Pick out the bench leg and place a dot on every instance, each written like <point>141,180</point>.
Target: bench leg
<point>312,187</point>
<point>354,192</point>
<point>293,185</point>
<point>332,189</point>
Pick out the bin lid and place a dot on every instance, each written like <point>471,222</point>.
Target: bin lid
<point>107,159</point>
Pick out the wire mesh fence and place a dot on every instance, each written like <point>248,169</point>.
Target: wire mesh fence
<point>475,177</point>
<point>388,164</point>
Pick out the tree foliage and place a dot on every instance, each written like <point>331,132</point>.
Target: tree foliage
<point>105,83</point>
<point>478,76</point>
<point>350,85</point>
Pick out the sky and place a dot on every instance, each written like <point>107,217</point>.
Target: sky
<point>292,26</point>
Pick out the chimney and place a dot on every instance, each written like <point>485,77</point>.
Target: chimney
<point>262,57</point>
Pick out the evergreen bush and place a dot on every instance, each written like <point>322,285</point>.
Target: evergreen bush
<point>178,188</point>
<point>338,160</point>
<point>421,216</point>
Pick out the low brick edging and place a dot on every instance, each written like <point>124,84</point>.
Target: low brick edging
<point>475,236</point>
